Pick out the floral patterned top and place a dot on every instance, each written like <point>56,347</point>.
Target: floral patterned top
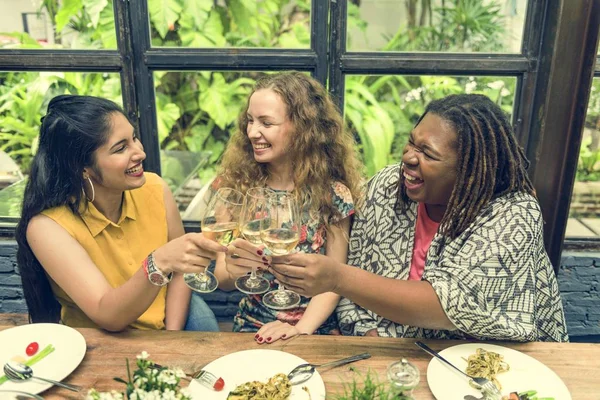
<point>253,314</point>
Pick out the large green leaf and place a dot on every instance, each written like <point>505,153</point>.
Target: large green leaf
<point>69,9</point>
<point>167,114</point>
<point>198,10</point>
<point>243,13</point>
<point>93,8</point>
<point>164,14</point>
<point>210,34</point>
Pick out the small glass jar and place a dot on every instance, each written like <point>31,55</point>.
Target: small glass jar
<point>403,377</point>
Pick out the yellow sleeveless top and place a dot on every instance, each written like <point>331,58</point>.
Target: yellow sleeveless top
<point>118,249</point>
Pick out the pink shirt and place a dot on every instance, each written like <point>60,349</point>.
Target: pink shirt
<point>424,233</point>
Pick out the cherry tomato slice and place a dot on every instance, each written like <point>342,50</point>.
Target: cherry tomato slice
<point>32,348</point>
<point>219,384</point>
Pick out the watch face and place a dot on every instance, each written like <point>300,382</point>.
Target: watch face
<point>157,279</point>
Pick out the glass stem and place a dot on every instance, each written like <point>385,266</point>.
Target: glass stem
<point>253,273</point>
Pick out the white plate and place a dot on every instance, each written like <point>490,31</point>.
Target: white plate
<point>249,365</point>
<point>69,349</point>
<point>526,373</point>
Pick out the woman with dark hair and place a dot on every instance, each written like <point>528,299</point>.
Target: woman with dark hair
<point>449,243</point>
<point>100,240</point>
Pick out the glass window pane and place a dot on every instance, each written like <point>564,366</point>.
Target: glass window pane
<point>233,23</point>
<point>584,214</point>
<point>66,24</point>
<point>196,113</point>
<point>24,97</point>
<point>382,110</point>
<point>436,25</point>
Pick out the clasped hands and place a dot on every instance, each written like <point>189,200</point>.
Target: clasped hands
<point>306,274</point>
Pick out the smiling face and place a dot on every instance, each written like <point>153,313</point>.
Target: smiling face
<point>269,128</point>
<point>429,169</point>
<point>118,161</point>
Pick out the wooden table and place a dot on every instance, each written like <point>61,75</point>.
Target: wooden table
<point>576,363</point>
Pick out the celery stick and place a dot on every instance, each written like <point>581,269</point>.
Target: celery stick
<point>36,358</point>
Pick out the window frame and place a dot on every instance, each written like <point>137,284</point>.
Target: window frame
<point>559,45</point>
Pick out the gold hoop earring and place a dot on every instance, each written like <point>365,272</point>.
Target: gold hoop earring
<point>93,190</point>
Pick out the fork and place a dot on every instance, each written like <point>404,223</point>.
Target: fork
<point>204,377</point>
<point>487,387</point>
<point>207,379</point>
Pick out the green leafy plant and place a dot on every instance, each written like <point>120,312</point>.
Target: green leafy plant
<point>588,167</point>
<point>148,382</point>
<point>367,387</point>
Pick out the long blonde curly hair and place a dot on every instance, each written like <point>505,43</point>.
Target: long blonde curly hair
<point>322,151</point>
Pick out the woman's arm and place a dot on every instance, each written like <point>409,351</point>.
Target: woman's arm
<point>178,293</point>
<point>70,266</point>
<point>322,305</point>
<point>406,302</point>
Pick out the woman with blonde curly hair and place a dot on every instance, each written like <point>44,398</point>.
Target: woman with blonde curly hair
<point>291,138</point>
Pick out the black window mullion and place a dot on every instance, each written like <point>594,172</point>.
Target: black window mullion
<point>319,37</point>
<point>434,63</point>
<point>524,114</point>
<point>235,59</point>
<point>144,83</point>
<point>123,32</point>
<point>337,47</point>
<point>60,60</point>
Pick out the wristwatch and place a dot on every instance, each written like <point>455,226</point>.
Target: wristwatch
<point>155,275</point>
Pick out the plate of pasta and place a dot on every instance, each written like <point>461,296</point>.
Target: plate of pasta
<point>511,370</point>
<point>258,370</point>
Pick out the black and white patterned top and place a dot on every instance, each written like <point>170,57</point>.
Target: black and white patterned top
<point>494,281</point>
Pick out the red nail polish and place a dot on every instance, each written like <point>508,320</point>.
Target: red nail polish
<point>260,339</point>
<point>284,335</point>
<point>266,264</point>
<point>268,339</point>
<point>256,336</point>
<point>259,252</point>
<point>265,259</point>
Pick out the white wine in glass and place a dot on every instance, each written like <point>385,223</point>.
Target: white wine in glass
<point>253,220</point>
<point>220,224</point>
<point>280,236</point>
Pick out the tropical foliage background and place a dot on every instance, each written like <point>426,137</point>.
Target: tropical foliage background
<point>197,111</point>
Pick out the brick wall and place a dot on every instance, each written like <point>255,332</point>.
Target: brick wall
<point>579,282</point>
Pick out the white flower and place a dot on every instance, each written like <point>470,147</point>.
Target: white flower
<point>143,355</point>
<point>178,372</point>
<point>470,86</point>
<point>414,94</point>
<point>496,85</point>
<point>504,92</point>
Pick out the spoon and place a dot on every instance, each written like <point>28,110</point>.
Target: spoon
<point>303,372</point>
<point>19,372</point>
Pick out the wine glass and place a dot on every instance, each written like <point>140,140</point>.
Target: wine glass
<point>219,224</point>
<point>281,235</point>
<point>252,222</point>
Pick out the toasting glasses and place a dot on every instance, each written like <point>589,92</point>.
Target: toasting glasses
<point>253,220</point>
<point>220,224</point>
<point>280,234</point>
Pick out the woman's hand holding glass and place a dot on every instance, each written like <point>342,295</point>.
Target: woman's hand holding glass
<point>219,224</point>
<point>252,222</point>
<point>280,235</point>
<point>190,253</point>
<point>242,257</point>
<point>307,274</point>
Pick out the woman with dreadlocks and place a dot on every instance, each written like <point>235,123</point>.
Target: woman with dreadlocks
<point>449,243</point>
